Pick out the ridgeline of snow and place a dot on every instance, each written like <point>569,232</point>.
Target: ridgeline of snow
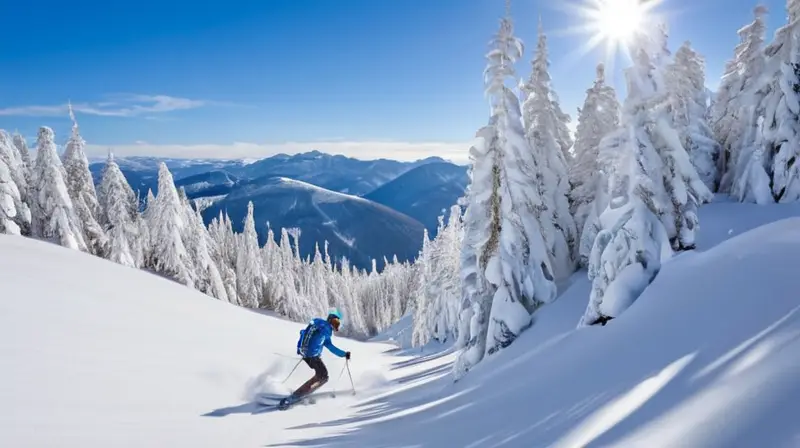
<point>707,356</point>
<point>208,201</point>
<point>321,195</point>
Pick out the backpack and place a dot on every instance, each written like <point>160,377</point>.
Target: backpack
<point>306,336</point>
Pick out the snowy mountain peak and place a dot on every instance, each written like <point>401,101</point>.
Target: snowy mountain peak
<point>314,154</point>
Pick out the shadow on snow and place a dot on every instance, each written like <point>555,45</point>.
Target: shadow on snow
<point>599,412</point>
<point>250,407</point>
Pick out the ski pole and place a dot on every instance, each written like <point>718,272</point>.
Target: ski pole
<point>337,382</point>
<point>290,373</point>
<point>347,364</point>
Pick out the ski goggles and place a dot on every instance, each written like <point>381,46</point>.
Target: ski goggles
<point>335,323</point>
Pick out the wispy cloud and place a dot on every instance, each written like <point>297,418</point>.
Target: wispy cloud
<point>457,152</point>
<point>121,105</point>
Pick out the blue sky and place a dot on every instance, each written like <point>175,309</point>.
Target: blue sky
<point>249,78</point>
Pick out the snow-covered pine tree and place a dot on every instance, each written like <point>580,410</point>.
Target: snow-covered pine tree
<point>222,252</point>
<point>681,182</point>
<point>167,221</point>
<point>420,333</point>
<point>80,187</point>
<point>373,312</point>
<point>16,194</point>
<point>249,270</point>
<point>197,242</point>
<point>542,130</point>
<point>318,292</point>
<point>26,173</point>
<point>280,287</point>
<point>399,287</point>
<point>628,250</point>
<point>270,250</point>
<point>25,153</point>
<point>150,208</point>
<point>443,315</point>
<point>598,117</point>
<point>119,216</point>
<point>291,301</point>
<point>658,45</point>
<point>740,98</point>
<point>270,257</point>
<point>625,259</point>
<point>512,265</point>
<point>563,120</point>
<point>143,248</point>
<point>473,229</point>
<point>208,280</point>
<point>340,295</point>
<point>356,324</point>
<point>723,109</point>
<point>435,291</point>
<point>689,107</point>
<point>53,217</point>
<point>381,296</point>
<point>9,193</point>
<point>479,226</point>
<point>775,152</point>
<point>9,196</point>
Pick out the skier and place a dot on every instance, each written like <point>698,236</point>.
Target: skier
<point>312,339</point>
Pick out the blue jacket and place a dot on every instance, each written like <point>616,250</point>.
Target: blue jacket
<point>314,337</point>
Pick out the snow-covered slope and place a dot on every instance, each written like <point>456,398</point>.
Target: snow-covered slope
<point>95,354</point>
<point>98,355</point>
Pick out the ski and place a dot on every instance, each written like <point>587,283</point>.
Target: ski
<point>279,399</point>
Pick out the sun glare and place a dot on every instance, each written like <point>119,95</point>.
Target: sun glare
<point>610,24</point>
<point>618,19</point>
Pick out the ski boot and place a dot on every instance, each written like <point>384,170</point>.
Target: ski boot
<point>285,403</point>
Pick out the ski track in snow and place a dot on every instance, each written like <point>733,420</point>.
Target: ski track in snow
<point>709,356</point>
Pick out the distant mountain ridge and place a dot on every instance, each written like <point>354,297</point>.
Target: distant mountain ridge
<point>425,192</point>
<point>211,183</point>
<point>290,191</point>
<point>334,172</point>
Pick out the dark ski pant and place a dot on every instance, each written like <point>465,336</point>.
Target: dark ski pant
<point>318,380</point>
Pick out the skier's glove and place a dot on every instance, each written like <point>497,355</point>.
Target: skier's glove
<point>298,351</point>
<point>347,356</point>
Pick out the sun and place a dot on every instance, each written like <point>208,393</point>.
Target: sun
<point>617,20</point>
<point>611,24</point>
